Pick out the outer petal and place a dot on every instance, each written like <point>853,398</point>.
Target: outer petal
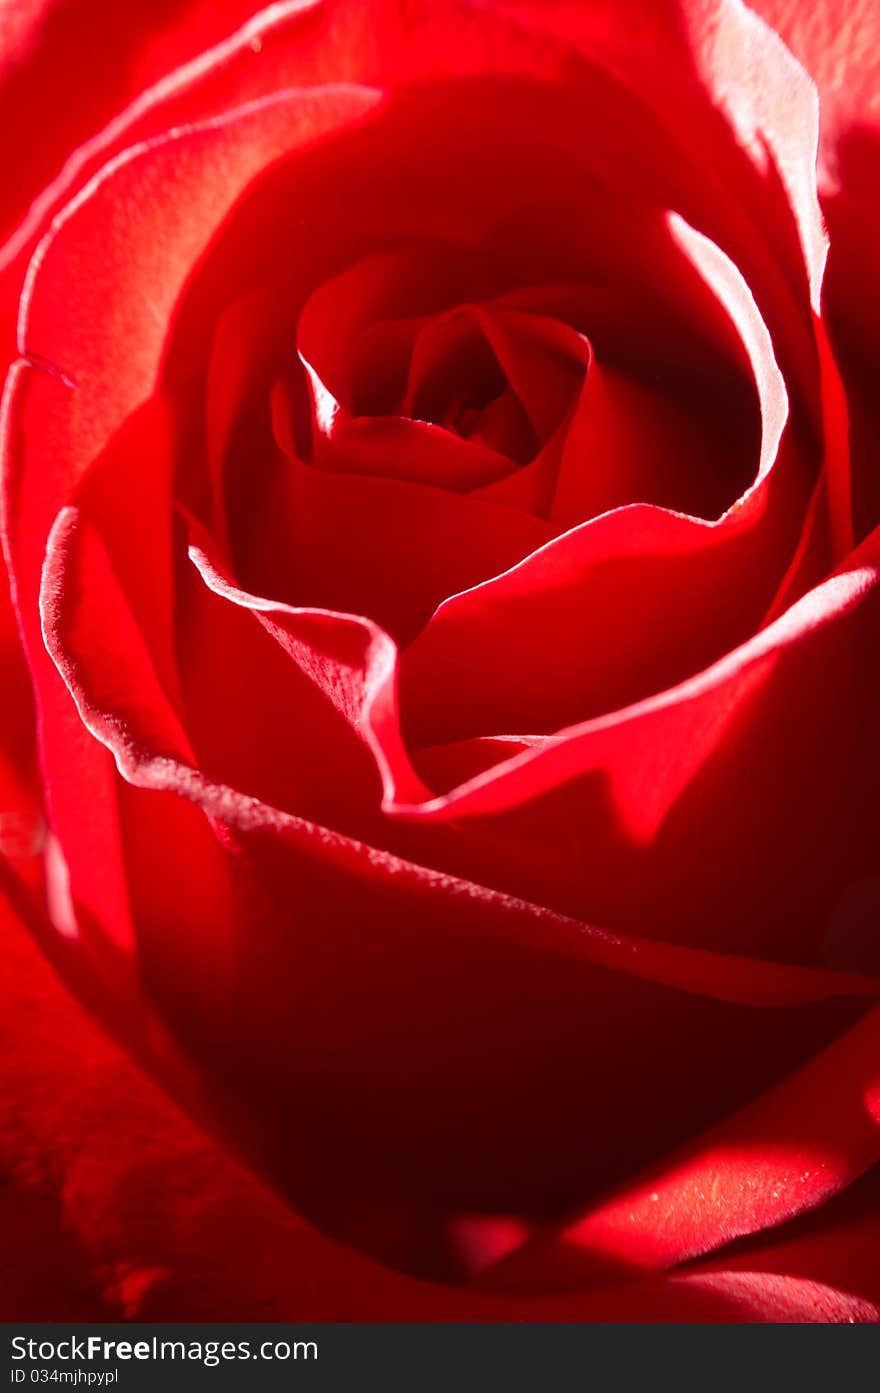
<point>454,970</point>
<point>58,102</point>
<point>790,1150</point>
<point>129,1210</point>
<point>132,303</point>
<point>149,1219</point>
<point>839,47</point>
<point>94,639</point>
<point>21,822</point>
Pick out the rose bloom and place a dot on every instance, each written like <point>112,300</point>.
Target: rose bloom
<point>439,766</point>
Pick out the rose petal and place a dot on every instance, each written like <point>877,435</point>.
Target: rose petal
<point>351,660</point>
<point>42,92</point>
<point>312,896</point>
<point>130,719</point>
<point>791,1150</point>
<point>819,612</point>
<point>595,571</point>
<point>317,552</point>
<point>838,48</point>
<point>135,1213</point>
<point>138,278</point>
<point>153,1221</point>
<point>609,847</point>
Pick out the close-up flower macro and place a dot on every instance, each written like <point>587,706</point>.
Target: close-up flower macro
<point>440,660</point>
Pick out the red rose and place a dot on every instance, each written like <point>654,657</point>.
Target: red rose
<point>441,509</point>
